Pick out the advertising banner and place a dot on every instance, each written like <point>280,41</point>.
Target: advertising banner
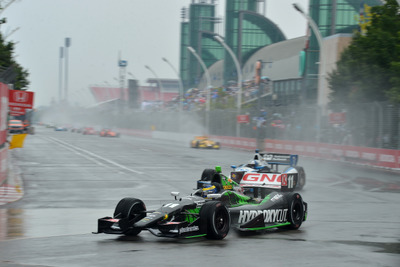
<point>17,111</point>
<point>337,118</point>
<point>21,99</point>
<point>243,118</point>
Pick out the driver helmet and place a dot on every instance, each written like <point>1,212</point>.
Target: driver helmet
<point>254,162</point>
<point>211,189</point>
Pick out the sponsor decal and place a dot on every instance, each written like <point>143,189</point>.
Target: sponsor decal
<point>227,187</point>
<point>368,156</point>
<point>288,180</point>
<point>23,99</point>
<point>188,229</point>
<point>352,154</point>
<point>277,157</point>
<point>270,216</point>
<point>243,118</point>
<point>171,205</point>
<point>387,158</point>
<point>276,197</point>
<point>261,177</point>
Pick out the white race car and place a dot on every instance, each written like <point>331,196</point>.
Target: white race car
<point>264,169</point>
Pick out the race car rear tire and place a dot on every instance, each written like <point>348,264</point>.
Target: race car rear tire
<point>208,174</point>
<point>215,220</point>
<point>296,211</point>
<point>129,210</point>
<point>218,145</point>
<point>302,177</point>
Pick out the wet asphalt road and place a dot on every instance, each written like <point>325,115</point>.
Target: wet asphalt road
<point>71,180</point>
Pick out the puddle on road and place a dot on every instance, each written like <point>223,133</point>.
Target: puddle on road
<point>32,223</point>
<point>393,248</point>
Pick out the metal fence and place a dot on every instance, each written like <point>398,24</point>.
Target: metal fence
<point>367,125</point>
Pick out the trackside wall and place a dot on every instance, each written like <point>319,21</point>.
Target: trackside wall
<point>3,132</point>
<point>384,158</point>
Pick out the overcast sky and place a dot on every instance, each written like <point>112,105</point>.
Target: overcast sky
<point>143,31</point>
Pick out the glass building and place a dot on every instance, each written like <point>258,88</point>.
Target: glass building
<point>198,33</point>
<point>246,31</point>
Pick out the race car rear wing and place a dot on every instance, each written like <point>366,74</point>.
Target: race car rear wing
<point>279,158</point>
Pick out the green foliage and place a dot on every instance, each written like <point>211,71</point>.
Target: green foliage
<point>369,69</point>
<point>19,76</point>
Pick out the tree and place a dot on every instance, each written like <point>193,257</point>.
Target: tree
<point>369,69</point>
<point>10,70</point>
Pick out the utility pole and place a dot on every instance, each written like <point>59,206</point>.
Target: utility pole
<point>122,64</point>
<point>67,44</point>
<point>61,56</point>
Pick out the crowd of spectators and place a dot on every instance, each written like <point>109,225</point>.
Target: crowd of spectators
<point>196,99</point>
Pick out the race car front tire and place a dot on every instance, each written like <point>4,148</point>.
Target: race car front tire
<point>215,220</point>
<point>296,211</point>
<point>129,210</point>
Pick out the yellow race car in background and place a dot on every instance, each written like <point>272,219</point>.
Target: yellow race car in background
<point>204,142</point>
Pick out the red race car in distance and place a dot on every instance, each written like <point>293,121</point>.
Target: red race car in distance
<point>108,133</point>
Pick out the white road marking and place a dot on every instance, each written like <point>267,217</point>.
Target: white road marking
<point>75,149</point>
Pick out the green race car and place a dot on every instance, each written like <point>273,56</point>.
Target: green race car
<point>217,205</point>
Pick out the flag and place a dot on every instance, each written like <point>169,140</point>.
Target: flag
<point>17,140</point>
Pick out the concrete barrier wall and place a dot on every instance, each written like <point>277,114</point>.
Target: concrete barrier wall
<point>3,132</point>
<point>384,158</point>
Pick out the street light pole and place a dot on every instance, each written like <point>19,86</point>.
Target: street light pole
<point>207,74</point>
<point>239,73</point>
<point>159,82</point>
<point>61,56</point>
<point>321,77</point>
<point>180,82</point>
<point>67,45</point>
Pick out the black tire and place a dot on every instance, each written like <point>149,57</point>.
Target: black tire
<point>215,220</point>
<point>301,182</point>
<point>208,174</point>
<point>295,211</point>
<point>218,144</point>
<point>197,144</point>
<point>129,210</point>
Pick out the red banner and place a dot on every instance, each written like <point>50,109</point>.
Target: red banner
<point>243,118</point>
<point>17,111</point>
<point>21,99</point>
<point>337,118</point>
